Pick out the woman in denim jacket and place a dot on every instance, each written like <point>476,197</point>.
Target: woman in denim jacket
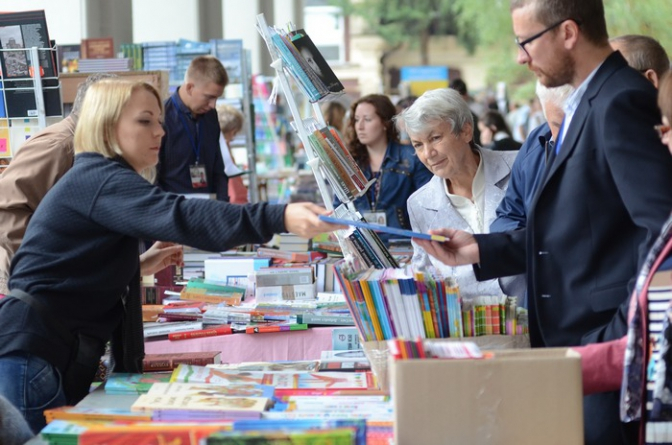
<point>373,140</point>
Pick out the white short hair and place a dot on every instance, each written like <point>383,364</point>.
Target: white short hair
<point>440,105</point>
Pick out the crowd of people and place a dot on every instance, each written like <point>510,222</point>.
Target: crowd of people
<point>573,217</point>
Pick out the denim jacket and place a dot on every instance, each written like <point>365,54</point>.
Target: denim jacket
<point>401,174</point>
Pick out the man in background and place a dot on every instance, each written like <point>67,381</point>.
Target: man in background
<point>190,160</point>
<point>461,87</point>
<point>644,54</point>
<point>533,157</point>
<point>40,162</point>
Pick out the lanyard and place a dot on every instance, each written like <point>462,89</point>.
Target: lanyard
<point>195,146</point>
<point>373,195</point>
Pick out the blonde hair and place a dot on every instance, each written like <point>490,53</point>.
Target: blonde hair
<point>101,109</point>
<point>230,118</point>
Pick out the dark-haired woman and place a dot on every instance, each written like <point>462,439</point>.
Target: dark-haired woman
<point>373,140</point>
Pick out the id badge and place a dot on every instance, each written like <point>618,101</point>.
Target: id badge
<point>375,217</point>
<point>197,173</point>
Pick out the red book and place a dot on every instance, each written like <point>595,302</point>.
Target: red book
<point>168,362</point>
<point>219,330</point>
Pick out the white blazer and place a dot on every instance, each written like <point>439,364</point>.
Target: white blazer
<point>429,208</point>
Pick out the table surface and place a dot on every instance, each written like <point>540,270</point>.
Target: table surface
<point>237,348</point>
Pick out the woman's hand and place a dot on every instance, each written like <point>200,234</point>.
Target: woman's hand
<point>161,255</point>
<point>461,247</point>
<point>302,219</point>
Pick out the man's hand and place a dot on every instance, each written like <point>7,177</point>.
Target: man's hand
<point>161,255</point>
<point>302,219</point>
<point>460,249</point>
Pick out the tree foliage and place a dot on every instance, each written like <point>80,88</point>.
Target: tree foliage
<point>410,22</point>
<point>486,25</point>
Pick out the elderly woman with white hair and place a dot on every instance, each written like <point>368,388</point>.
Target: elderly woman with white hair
<point>467,185</point>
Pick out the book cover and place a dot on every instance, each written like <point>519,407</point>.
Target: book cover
<point>210,401</point>
<point>345,339</point>
<point>93,414</point>
<point>333,436</point>
<point>314,59</point>
<point>282,366</point>
<point>126,383</point>
<point>170,361</point>
<point>20,30</point>
<point>209,389</point>
<point>147,434</point>
<point>359,426</point>
<point>98,48</point>
<point>288,380</point>
<point>345,366</point>
<point>152,329</point>
<point>325,319</point>
<point>281,276</point>
<point>200,333</point>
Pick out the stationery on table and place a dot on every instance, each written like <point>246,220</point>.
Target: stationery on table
<point>386,229</point>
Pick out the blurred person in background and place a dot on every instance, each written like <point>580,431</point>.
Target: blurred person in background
<point>231,123</point>
<point>644,54</point>
<point>495,133</point>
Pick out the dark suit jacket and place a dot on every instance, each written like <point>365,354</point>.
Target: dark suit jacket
<point>601,204</point>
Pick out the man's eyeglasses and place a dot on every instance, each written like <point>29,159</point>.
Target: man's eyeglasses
<point>662,129</point>
<point>521,44</point>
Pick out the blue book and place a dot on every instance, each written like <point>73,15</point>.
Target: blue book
<point>380,228</point>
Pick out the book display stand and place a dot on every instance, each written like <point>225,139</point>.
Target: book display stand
<point>294,53</point>
<point>29,83</point>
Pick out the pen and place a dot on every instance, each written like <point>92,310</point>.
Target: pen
<point>386,229</point>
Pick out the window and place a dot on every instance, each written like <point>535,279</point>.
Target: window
<point>326,27</point>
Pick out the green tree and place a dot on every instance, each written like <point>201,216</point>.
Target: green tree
<point>486,25</point>
<point>410,22</point>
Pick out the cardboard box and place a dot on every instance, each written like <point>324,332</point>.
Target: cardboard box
<point>378,353</point>
<point>518,397</point>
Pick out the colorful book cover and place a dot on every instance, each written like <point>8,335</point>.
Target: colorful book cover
<point>168,362</point>
<point>149,434</point>
<point>270,367</point>
<point>200,401</point>
<point>335,436</point>
<point>93,414</point>
<point>290,380</point>
<point>124,383</point>
<point>359,426</point>
<point>240,390</point>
